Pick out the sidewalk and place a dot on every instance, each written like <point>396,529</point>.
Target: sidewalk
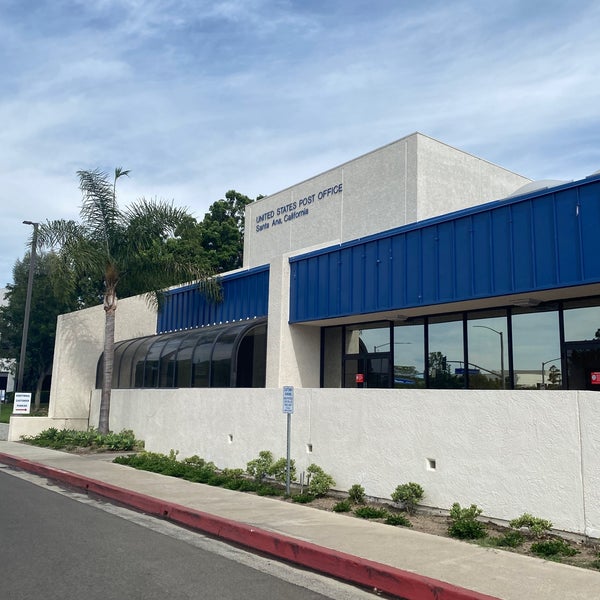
<point>398,561</point>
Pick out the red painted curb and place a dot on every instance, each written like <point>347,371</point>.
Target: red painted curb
<point>387,579</point>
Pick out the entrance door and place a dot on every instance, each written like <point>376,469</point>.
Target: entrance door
<point>583,365</point>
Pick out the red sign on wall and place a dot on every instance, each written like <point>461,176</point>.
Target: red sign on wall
<point>360,378</point>
<point>595,377</point>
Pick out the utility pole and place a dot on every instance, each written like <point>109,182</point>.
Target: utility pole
<point>27,304</point>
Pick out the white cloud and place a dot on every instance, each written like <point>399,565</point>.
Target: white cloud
<point>198,97</point>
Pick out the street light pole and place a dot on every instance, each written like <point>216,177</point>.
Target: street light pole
<point>543,368</point>
<point>501,334</point>
<point>27,304</point>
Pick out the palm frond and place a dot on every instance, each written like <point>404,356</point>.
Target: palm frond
<point>99,209</point>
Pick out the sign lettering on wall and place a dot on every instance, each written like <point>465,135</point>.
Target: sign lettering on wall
<point>288,213</point>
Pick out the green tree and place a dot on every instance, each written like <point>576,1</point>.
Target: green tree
<point>124,249</point>
<point>222,231</point>
<point>47,302</point>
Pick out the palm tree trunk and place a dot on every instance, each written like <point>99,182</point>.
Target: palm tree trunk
<point>110,306</point>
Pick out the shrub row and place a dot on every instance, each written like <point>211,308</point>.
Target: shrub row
<point>67,439</point>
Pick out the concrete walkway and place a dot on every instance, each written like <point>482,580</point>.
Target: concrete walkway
<point>398,561</point>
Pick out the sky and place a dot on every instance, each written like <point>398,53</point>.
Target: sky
<point>199,97</point>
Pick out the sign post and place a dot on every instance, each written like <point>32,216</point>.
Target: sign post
<point>22,405</point>
<point>288,409</point>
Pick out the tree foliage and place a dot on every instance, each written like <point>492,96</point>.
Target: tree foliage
<point>125,249</point>
<point>148,246</point>
<point>222,231</point>
<point>47,302</point>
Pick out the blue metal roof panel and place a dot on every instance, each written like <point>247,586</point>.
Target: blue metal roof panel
<point>245,296</point>
<point>540,240</point>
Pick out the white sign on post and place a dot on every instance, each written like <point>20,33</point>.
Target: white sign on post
<point>288,399</point>
<point>22,405</point>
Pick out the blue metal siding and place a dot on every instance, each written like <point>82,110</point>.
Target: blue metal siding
<point>245,296</point>
<point>544,240</point>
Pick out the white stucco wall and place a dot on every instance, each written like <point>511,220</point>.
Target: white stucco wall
<point>411,179</point>
<point>508,452</point>
<point>78,346</point>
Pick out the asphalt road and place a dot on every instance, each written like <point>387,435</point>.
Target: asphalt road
<point>65,545</point>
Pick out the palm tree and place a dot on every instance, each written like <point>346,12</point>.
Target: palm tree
<point>121,249</point>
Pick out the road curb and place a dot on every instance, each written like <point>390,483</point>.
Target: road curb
<point>364,572</point>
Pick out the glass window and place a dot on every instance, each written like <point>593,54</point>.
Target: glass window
<point>488,351</point>
<point>191,358</point>
<point>409,358</point>
<point>152,362</point>
<point>125,361</point>
<point>201,358</point>
<point>367,338</point>
<point>536,349</point>
<point>166,374</point>
<point>183,369</point>
<point>138,361</point>
<point>221,357</point>
<point>446,353</point>
<point>251,365</point>
<point>332,357</point>
<point>582,323</point>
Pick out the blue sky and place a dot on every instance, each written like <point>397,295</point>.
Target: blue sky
<point>197,97</point>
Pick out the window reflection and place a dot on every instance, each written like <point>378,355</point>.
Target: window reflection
<point>368,337</point>
<point>536,350</point>
<point>409,358</point>
<point>582,323</point>
<point>488,351</point>
<point>446,354</point>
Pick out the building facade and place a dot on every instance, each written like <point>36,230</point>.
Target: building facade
<point>437,315</point>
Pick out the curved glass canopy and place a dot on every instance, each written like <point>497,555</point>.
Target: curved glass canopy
<point>231,355</point>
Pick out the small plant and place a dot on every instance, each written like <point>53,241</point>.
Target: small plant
<point>343,506</point>
<point>464,524</point>
<point>510,539</point>
<point>70,439</point>
<point>409,494</point>
<point>319,482</point>
<point>536,526</point>
<point>258,468</point>
<point>303,498</point>
<point>553,549</point>
<point>269,490</point>
<point>398,519</point>
<point>278,470</point>
<point>368,512</point>
<point>356,494</point>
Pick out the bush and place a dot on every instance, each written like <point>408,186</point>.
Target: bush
<point>368,512</point>
<point>510,539</point>
<point>278,470</point>
<point>464,524</point>
<point>319,482</point>
<point>258,468</point>
<point>343,506</point>
<point>69,439</point>
<point>398,520</point>
<point>269,490</point>
<point>409,494</point>
<point>356,494</point>
<point>536,526</point>
<point>303,498</point>
<point>552,549</point>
